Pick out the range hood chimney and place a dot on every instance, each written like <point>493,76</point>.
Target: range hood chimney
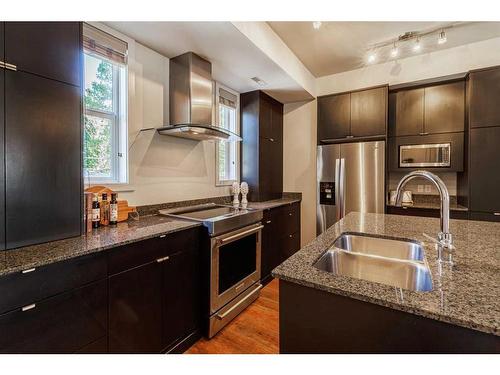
<point>192,101</point>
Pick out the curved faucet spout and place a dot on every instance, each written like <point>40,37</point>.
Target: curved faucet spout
<point>444,236</point>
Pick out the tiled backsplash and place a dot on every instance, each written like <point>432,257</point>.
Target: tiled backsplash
<point>449,178</point>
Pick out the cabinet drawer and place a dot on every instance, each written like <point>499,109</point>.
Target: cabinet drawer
<point>61,324</point>
<point>31,285</point>
<point>133,255</point>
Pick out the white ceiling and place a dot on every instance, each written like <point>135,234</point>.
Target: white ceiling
<point>235,59</point>
<point>341,46</point>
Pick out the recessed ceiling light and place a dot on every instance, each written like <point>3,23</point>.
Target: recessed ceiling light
<point>394,51</point>
<point>417,46</point>
<point>372,57</point>
<point>258,81</point>
<point>442,37</point>
<point>316,25</point>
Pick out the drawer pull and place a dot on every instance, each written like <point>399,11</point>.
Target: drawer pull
<point>28,270</point>
<point>163,236</point>
<point>10,67</point>
<point>290,214</point>
<point>424,133</point>
<point>159,260</point>
<point>496,213</point>
<point>268,222</point>
<point>291,235</point>
<point>29,307</point>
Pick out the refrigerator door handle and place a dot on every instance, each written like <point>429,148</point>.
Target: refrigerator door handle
<point>342,188</point>
<point>337,188</point>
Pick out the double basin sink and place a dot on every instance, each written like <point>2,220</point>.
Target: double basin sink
<point>396,262</point>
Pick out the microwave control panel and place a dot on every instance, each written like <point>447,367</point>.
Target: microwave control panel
<point>327,193</point>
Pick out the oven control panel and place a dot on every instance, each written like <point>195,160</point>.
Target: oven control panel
<point>327,193</point>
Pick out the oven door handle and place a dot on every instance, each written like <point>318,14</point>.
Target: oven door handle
<point>222,241</point>
<point>226,313</point>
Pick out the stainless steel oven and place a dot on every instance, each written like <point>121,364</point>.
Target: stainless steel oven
<point>234,274</point>
<point>425,155</point>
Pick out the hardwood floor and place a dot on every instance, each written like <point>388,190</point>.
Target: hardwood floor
<point>254,331</point>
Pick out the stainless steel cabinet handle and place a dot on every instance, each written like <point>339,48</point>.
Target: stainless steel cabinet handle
<point>271,139</point>
<point>163,236</point>
<point>350,136</point>
<point>222,241</point>
<point>291,235</point>
<point>290,214</point>
<point>28,270</point>
<point>159,260</point>
<point>222,316</point>
<point>29,307</point>
<point>10,66</point>
<point>268,222</point>
<point>424,133</point>
<point>2,64</point>
<point>496,213</point>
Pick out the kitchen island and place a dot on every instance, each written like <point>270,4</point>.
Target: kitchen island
<point>325,313</point>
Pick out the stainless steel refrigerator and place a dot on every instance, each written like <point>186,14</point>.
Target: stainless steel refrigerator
<point>350,177</point>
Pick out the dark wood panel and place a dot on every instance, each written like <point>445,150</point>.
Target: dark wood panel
<point>272,241</point>
<point>135,310</point>
<point>314,321</point>
<point>65,323</point>
<point>484,94</point>
<point>43,159</point>
<point>181,296</point>
<point>2,144</point>
<point>484,177</point>
<point>484,216</point>
<point>410,112</point>
<point>391,117</point>
<point>334,116</point>
<point>49,49</point>
<point>445,108</point>
<point>426,212</point>
<point>99,346</point>
<point>23,288</point>
<point>369,112</point>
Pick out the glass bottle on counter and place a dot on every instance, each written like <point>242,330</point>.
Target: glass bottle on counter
<point>96,212</point>
<point>104,209</point>
<point>113,210</point>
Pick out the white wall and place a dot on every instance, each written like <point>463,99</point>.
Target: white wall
<point>299,161</point>
<point>161,168</point>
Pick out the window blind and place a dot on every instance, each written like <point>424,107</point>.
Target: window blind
<point>102,44</point>
<point>226,98</point>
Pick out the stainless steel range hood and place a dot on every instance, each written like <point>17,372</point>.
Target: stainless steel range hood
<point>192,101</point>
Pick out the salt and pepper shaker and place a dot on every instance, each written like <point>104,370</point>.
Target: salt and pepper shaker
<point>244,192</point>
<point>236,193</point>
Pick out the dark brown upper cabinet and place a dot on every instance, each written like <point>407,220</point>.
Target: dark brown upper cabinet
<point>262,145</point>
<point>484,94</point>
<point>484,178</point>
<point>334,116</point>
<point>444,108</point>
<point>427,110</point>
<point>48,49</point>
<point>369,112</point>
<point>356,114</point>
<point>409,112</point>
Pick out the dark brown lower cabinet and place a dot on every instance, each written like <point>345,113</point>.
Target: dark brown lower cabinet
<point>280,237</point>
<point>425,212</point>
<point>484,216</point>
<point>65,323</point>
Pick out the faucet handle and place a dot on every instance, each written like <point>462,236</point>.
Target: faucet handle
<point>444,246</point>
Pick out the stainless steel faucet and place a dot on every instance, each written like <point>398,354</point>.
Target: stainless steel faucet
<point>444,239</point>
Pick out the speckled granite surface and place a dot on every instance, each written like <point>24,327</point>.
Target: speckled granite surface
<point>101,239</point>
<point>466,294</point>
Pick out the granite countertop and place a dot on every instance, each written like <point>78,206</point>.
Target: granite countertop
<point>147,226</point>
<point>98,240</point>
<point>465,294</point>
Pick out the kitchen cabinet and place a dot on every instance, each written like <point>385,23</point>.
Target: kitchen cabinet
<point>42,159</point>
<point>484,94</point>
<point>2,142</point>
<point>425,212</point>
<point>484,178</point>
<point>428,110</point>
<point>334,117</point>
<point>262,145</point>
<point>64,323</point>
<point>369,112</point>
<point>280,237</point>
<point>156,301</point>
<point>48,49</point>
<point>347,116</point>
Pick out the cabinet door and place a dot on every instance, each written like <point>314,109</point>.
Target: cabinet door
<point>270,169</point>
<point>484,176</point>
<point>291,244</point>
<point>2,140</point>
<point>65,323</point>
<point>270,255</point>
<point>444,108</point>
<point>48,49</point>
<point>135,310</point>
<point>484,94</point>
<point>410,112</point>
<point>181,296</point>
<point>334,116</point>
<point>43,159</point>
<point>369,112</point>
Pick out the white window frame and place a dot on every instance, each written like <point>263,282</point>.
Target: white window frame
<point>118,117</point>
<point>218,181</point>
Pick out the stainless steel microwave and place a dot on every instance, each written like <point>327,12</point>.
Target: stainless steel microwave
<point>425,155</point>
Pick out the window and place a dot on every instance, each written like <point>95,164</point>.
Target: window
<point>105,99</point>
<point>227,153</point>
